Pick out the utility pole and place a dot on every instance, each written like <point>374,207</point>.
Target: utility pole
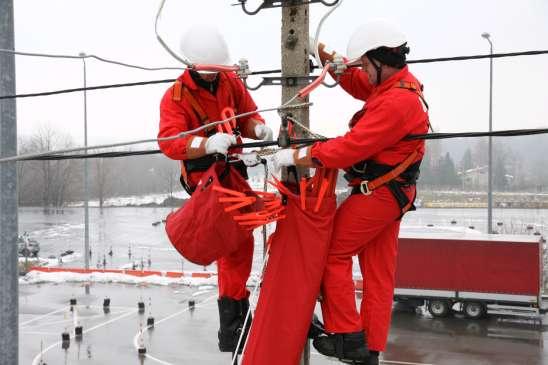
<point>295,64</point>
<point>294,44</point>
<point>86,182</point>
<point>487,36</point>
<point>9,292</point>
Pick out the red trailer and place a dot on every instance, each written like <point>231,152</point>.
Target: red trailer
<point>475,274</point>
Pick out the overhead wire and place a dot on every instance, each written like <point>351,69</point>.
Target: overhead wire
<point>183,59</point>
<point>56,155</point>
<point>154,140</point>
<point>92,56</point>
<point>317,36</point>
<point>88,88</point>
<point>426,60</point>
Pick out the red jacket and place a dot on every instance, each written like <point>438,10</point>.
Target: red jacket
<point>179,116</point>
<point>389,114</point>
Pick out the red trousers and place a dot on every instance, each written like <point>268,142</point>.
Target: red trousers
<point>366,226</point>
<point>234,269</point>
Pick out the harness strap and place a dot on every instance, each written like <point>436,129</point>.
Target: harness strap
<point>417,89</point>
<point>177,93</point>
<point>367,187</point>
<point>195,105</point>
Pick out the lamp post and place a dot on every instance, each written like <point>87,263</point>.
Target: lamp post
<point>86,189</point>
<point>487,36</point>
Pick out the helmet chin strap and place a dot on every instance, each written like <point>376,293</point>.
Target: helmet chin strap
<point>378,69</point>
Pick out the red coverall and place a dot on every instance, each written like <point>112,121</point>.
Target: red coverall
<point>368,226</point>
<point>178,116</point>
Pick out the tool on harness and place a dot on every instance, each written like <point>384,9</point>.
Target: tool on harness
<point>367,176</point>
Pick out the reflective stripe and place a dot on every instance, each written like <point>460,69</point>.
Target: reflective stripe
<point>500,297</point>
<point>426,293</point>
<point>196,142</point>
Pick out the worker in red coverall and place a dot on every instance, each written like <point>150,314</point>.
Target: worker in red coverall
<point>195,99</point>
<point>368,221</point>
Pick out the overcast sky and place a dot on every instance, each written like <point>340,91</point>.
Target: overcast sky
<point>123,30</point>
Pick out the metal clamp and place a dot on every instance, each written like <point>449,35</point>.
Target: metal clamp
<point>338,66</point>
<point>282,81</point>
<point>282,3</point>
<point>364,188</point>
<point>243,71</point>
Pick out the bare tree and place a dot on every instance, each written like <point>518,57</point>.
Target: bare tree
<point>103,171</point>
<point>169,172</point>
<point>54,177</point>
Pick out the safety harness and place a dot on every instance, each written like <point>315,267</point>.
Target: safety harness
<point>367,176</point>
<point>180,92</point>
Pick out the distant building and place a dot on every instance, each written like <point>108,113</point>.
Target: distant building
<point>474,178</point>
<point>477,178</point>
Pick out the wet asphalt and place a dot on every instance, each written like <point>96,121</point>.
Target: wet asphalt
<point>189,336</point>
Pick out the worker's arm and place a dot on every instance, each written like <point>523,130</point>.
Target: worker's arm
<point>173,121</point>
<point>383,126</point>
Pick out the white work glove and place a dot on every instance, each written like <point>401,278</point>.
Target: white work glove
<point>263,132</point>
<point>283,158</point>
<point>219,143</point>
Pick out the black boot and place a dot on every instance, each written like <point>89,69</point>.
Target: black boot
<point>316,328</point>
<point>231,317</point>
<point>372,359</point>
<point>347,347</point>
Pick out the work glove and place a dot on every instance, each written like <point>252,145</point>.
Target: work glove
<point>219,143</point>
<point>263,132</point>
<point>283,158</point>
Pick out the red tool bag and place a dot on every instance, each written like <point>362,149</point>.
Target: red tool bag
<point>204,229</point>
<point>291,282</point>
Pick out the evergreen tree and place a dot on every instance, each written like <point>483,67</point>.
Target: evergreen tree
<point>447,172</point>
<point>467,163</point>
<point>500,178</point>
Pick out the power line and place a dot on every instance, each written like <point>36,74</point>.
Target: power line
<point>99,58</point>
<point>504,133</point>
<point>31,156</point>
<point>301,141</point>
<point>478,57</point>
<point>65,91</point>
<point>426,60</point>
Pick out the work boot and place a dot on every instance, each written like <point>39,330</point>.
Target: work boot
<point>316,328</point>
<point>372,359</point>
<point>231,317</point>
<point>347,347</point>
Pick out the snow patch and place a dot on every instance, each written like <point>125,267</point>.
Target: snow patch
<point>37,277</point>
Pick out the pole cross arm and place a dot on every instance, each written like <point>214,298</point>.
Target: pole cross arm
<point>266,4</point>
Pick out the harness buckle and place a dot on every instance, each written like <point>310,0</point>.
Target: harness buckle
<point>364,188</point>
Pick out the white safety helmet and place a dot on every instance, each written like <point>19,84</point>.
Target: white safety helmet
<point>204,44</point>
<point>372,35</point>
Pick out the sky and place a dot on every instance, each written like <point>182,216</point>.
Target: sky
<point>123,30</point>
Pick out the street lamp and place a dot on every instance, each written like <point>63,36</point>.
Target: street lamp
<point>86,189</point>
<point>487,36</point>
